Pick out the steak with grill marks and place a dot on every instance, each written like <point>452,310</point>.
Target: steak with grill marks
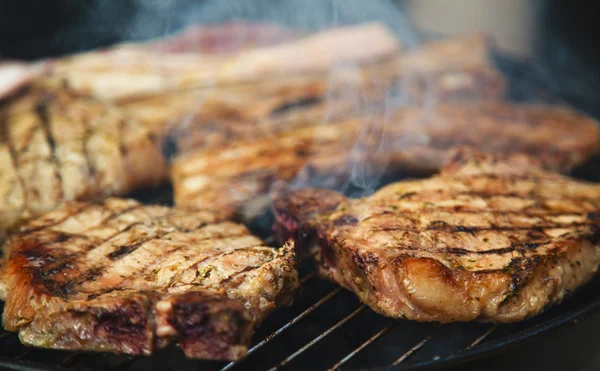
<point>230,177</point>
<point>121,277</point>
<point>57,147</point>
<point>488,239</point>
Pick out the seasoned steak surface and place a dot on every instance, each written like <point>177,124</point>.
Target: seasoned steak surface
<point>121,277</point>
<point>488,239</point>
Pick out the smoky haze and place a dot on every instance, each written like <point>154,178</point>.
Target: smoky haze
<point>368,152</point>
<point>154,18</point>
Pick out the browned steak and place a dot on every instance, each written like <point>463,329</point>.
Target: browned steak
<point>229,176</point>
<point>488,239</point>
<point>117,276</point>
<point>57,147</point>
<point>131,73</point>
<point>455,69</point>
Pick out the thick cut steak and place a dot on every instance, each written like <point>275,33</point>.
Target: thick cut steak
<point>488,239</point>
<point>118,276</point>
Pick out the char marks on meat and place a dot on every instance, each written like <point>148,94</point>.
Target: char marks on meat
<point>57,147</point>
<point>228,177</point>
<point>122,277</point>
<point>491,238</point>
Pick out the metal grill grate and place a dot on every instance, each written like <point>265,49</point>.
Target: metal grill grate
<point>328,328</point>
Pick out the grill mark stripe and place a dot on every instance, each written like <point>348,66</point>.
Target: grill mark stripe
<point>509,177</point>
<point>96,271</point>
<point>460,251</point>
<point>5,133</point>
<point>78,212</point>
<point>535,197</point>
<point>41,110</point>
<point>160,257</point>
<point>460,210</point>
<point>459,228</point>
<point>54,223</point>
<point>211,258</point>
<point>228,278</point>
<point>72,257</point>
<point>487,195</point>
<point>93,175</point>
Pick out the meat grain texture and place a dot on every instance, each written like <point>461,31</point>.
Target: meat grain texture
<point>490,239</point>
<point>118,276</point>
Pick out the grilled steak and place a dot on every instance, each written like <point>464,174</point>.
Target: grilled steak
<point>456,69</point>
<point>55,147</point>
<point>130,73</point>
<point>488,239</point>
<point>121,277</point>
<point>228,176</point>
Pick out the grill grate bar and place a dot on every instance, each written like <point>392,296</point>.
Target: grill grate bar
<point>6,335</point>
<point>364,345</point>
<point>24,354</point>
<point>415,348</point>
<point>482,337</point>
<point>126,363</point>
<point>71,360</point>
<point>286,326</point>
<point>319,338</point>
<point>309,276</point>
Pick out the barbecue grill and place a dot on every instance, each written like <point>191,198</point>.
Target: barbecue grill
<point>328,328</point>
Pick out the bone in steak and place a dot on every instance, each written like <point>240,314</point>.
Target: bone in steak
<point>488,239</point>
<point>230,175</point>
<point>118,276</point>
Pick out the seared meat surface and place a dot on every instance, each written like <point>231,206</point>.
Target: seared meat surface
<point>488,239</point>
<point>227,177</point>
<point>56,147</point>
<point>118,276</point>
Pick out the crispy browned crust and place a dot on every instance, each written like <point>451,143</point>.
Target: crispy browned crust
<point>489,239</point>
<point>56,147</point>
<point>121,277</point>
<point>413,139</point>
